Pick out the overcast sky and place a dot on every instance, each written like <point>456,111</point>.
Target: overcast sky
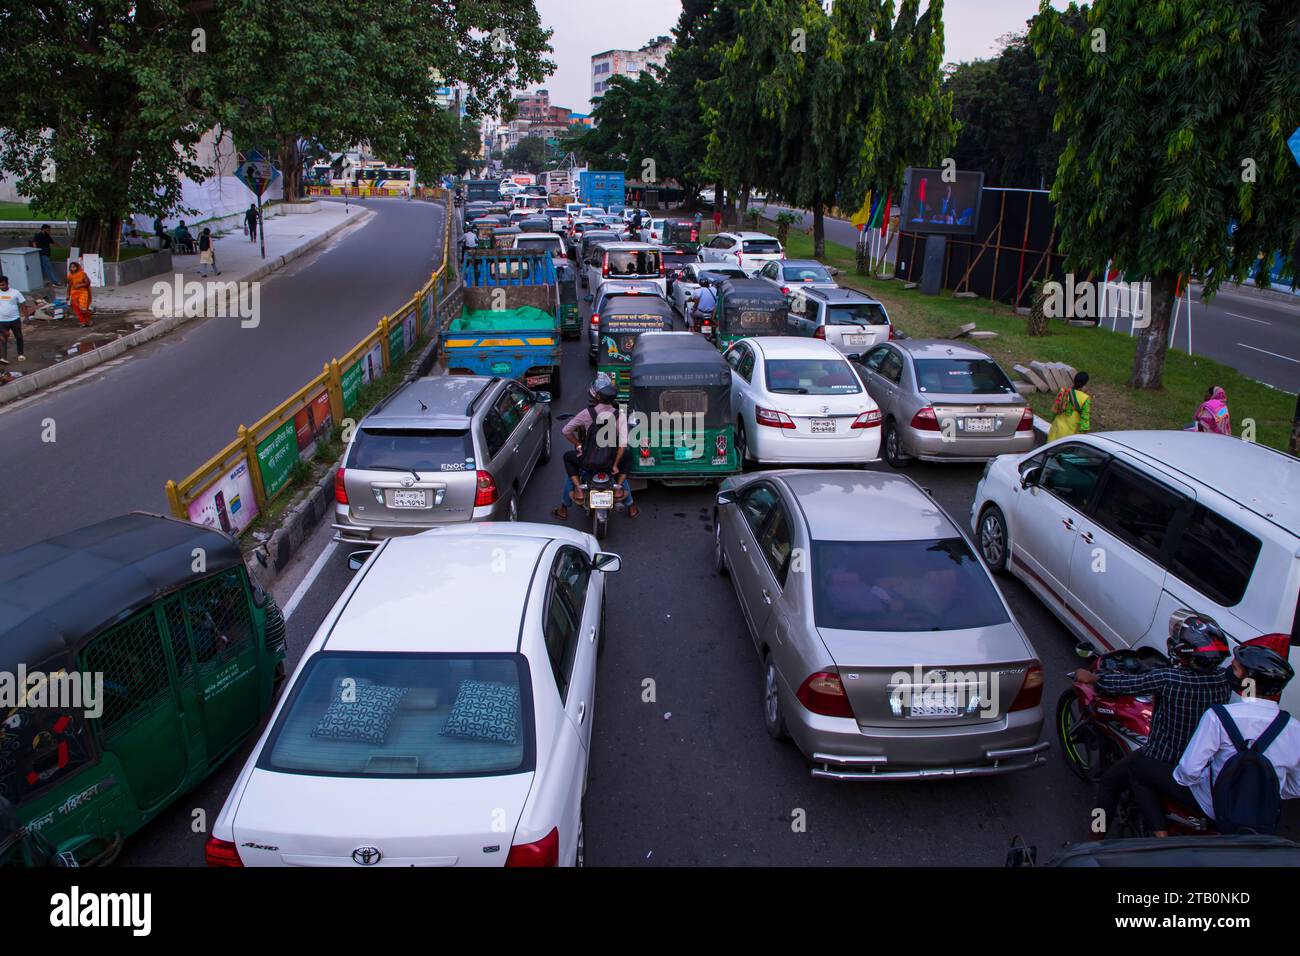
<point>586,27</point>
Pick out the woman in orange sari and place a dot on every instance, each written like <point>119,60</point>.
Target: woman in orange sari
<point>79,293</point>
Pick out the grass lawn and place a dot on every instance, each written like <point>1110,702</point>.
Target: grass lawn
<point>60,253</point>
<point>1106,356</point>
<point>17,210</point>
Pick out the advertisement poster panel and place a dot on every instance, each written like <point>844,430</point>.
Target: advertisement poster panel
<point>229,504</point>
<point>396,342</point>
<point>312,421</point>
<point>275,457</point>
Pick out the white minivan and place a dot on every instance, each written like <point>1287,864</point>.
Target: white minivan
<point>623,262</point>
<point>1117,531</point>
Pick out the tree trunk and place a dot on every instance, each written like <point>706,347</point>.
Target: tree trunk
<point>1153,341</point>
<point>290,168</point>
<point>782,232</point>
<point>819,230</point>
<point>744,206</point>
<point>1038,314</point>
<point>718,196</point>
<point>98,235</point>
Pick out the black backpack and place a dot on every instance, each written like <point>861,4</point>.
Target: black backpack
<point>1247,795</point>
<point>595,455</point>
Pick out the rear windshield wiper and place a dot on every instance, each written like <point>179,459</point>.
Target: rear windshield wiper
<point>791,391</point>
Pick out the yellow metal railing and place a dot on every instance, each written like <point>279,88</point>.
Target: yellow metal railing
<point>239,482</point>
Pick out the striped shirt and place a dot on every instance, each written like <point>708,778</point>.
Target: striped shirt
<point>1182,696</point>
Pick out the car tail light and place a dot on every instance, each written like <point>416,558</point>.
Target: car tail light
<point>925,420</point>
<point>740,258</point>
<point>772,418</point>
<point>661,266</point>
<point>785,290</point>
<point>486,492</point>
<point>654,235</point>
<point>891,333</point>
<point>545,852</point>
<point>595,319</point>
<point>340,489</point>
<point>869,419</point>
<point>1026,420</point>
<point>604,265</point>
<point>823,693</point>
<point>820,333</point>
<point>1031,691</point>
<point>221,853</point>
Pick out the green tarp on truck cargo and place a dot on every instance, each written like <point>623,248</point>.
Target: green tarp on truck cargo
<point>522,318</point>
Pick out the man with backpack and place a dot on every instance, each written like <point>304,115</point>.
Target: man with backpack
<point>601,447</point>
<point>1244,758</point>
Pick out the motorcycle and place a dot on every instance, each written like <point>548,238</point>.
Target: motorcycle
<point>599,496</point>
<point>1097,731</point>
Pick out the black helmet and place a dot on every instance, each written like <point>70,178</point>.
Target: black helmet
<point>1198,643</point>
<point>603,390</point>
<point>1266,670</point>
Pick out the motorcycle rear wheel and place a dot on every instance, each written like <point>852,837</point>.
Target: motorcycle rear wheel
<point>1087,753</point>
<point>599,523</point>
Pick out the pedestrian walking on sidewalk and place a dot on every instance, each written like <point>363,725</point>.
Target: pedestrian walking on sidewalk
<point>79,294</point>
<point>250,222</point>
<point>207,253</point>
<point>44,240</point>
<point>1073,410</point>
<point>13,307</point>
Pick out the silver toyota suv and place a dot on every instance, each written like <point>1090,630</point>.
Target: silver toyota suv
<point>439,451</point>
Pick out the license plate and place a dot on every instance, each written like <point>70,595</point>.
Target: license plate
<point>933,705</point>
<point>823,426</point>
<point>683,454</point>
<point>980,424</point>
<point>409,499</point>
<point>602,499</point>
<point>857,340</point>
<point>537,379</point>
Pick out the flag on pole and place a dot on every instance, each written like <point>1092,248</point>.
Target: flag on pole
<point>884,218</point>
<point>876,214</point>
<point>863,215</point>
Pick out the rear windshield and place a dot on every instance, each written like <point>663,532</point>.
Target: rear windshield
<point>643,262</point>
<point>811,377</point>
<point>405,715</point>
<point>535,240</point>
<point>902,586</point>
<point>763,247</point>
<point>717,275</point>
<point>962,377</point>
<point>806,274</point>
<point>556,213</point>
<point>404,449</point>
<point>858,313</point>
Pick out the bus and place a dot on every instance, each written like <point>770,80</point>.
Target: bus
<point>375,175</point>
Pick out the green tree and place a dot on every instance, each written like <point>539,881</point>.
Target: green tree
<point>1175,116</point>
<point>530,155</point>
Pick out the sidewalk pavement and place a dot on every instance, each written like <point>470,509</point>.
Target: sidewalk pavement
<point>58,348</point>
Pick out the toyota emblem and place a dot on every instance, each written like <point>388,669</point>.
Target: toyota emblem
<point>407,481</point>
<point>366,855</point>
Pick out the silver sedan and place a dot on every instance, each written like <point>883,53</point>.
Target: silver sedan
<point>944,401</point>
<point>887,651</point>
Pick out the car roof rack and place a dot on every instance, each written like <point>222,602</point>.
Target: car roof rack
<point>469,411</point>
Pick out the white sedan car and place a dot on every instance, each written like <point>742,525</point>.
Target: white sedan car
<point>442,714</point>
<point>799,401</point>
<point>689,281</point>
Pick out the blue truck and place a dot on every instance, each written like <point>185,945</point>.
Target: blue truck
<point>482,189</point>
<point>602,189</point>
<point>509,324</point>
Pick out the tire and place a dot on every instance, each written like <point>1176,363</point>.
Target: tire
<point>581,859</point>
<point>993,540</point>
<point>719,555</point>
<point>893,447</point>
<point>556,385</point>
<point>742,445</point>
<point>599,524</point>
<point>1088,752</point>
<point>513,513</point>
<point>545,456</point>
<point>591,358</point>
<point>773,718</point>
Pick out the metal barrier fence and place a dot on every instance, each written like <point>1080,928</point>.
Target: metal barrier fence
<point>363,191</point>
<point>239,482</point>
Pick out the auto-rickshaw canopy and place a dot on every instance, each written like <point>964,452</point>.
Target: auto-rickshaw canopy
<point>58,594</point>
<point>750,307</point>
<point>680,372</point>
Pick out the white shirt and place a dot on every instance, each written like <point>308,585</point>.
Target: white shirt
<point>10,300</point>
<point>470,239</point>
<point>1211,747</point>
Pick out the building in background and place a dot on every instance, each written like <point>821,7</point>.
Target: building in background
<point>605,66</point>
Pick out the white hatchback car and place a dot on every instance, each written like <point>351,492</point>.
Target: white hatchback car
<point>441,716</point>
<point>748,250</point>
<point>798,400</point>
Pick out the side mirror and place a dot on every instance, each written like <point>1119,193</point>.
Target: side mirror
<point>1030,477</point>
<point>725,498</point>
<point>588,297</point>
<point>543,397</point>
<point>358,558</point>
<point>607,562</point>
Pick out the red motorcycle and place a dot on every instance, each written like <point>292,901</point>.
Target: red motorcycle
<point>1097,731</point>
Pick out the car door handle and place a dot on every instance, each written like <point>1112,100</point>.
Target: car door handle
<point>582,711</point>
<point>744,547</point>
<point>592,635</point>
<point>1069,523</point>
<point>516,449</point>
<point>1087,537</point>
<point>767,598</point>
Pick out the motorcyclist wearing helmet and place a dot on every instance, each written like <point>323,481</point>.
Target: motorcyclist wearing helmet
<point>1193,683</point>
<point>1258,674</point>
<point>602,400</point>
<point>703,302</point>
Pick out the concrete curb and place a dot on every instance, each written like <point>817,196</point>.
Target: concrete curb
<point>72,367</point>
<point>299,521</point>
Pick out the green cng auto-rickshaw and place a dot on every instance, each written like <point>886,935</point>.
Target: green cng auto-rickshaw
<point>484,226</point>
<point>147,655</point>
<point>570,314</point>
<point>683,233</point>
<point>682,430</point>
<point>504,237</point>
<point>747,308</point>
<point>623,319</point>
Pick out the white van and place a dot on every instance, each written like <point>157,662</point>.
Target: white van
<point>1117,531</point>
<point>549,241</point>
<point>639,262</point>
